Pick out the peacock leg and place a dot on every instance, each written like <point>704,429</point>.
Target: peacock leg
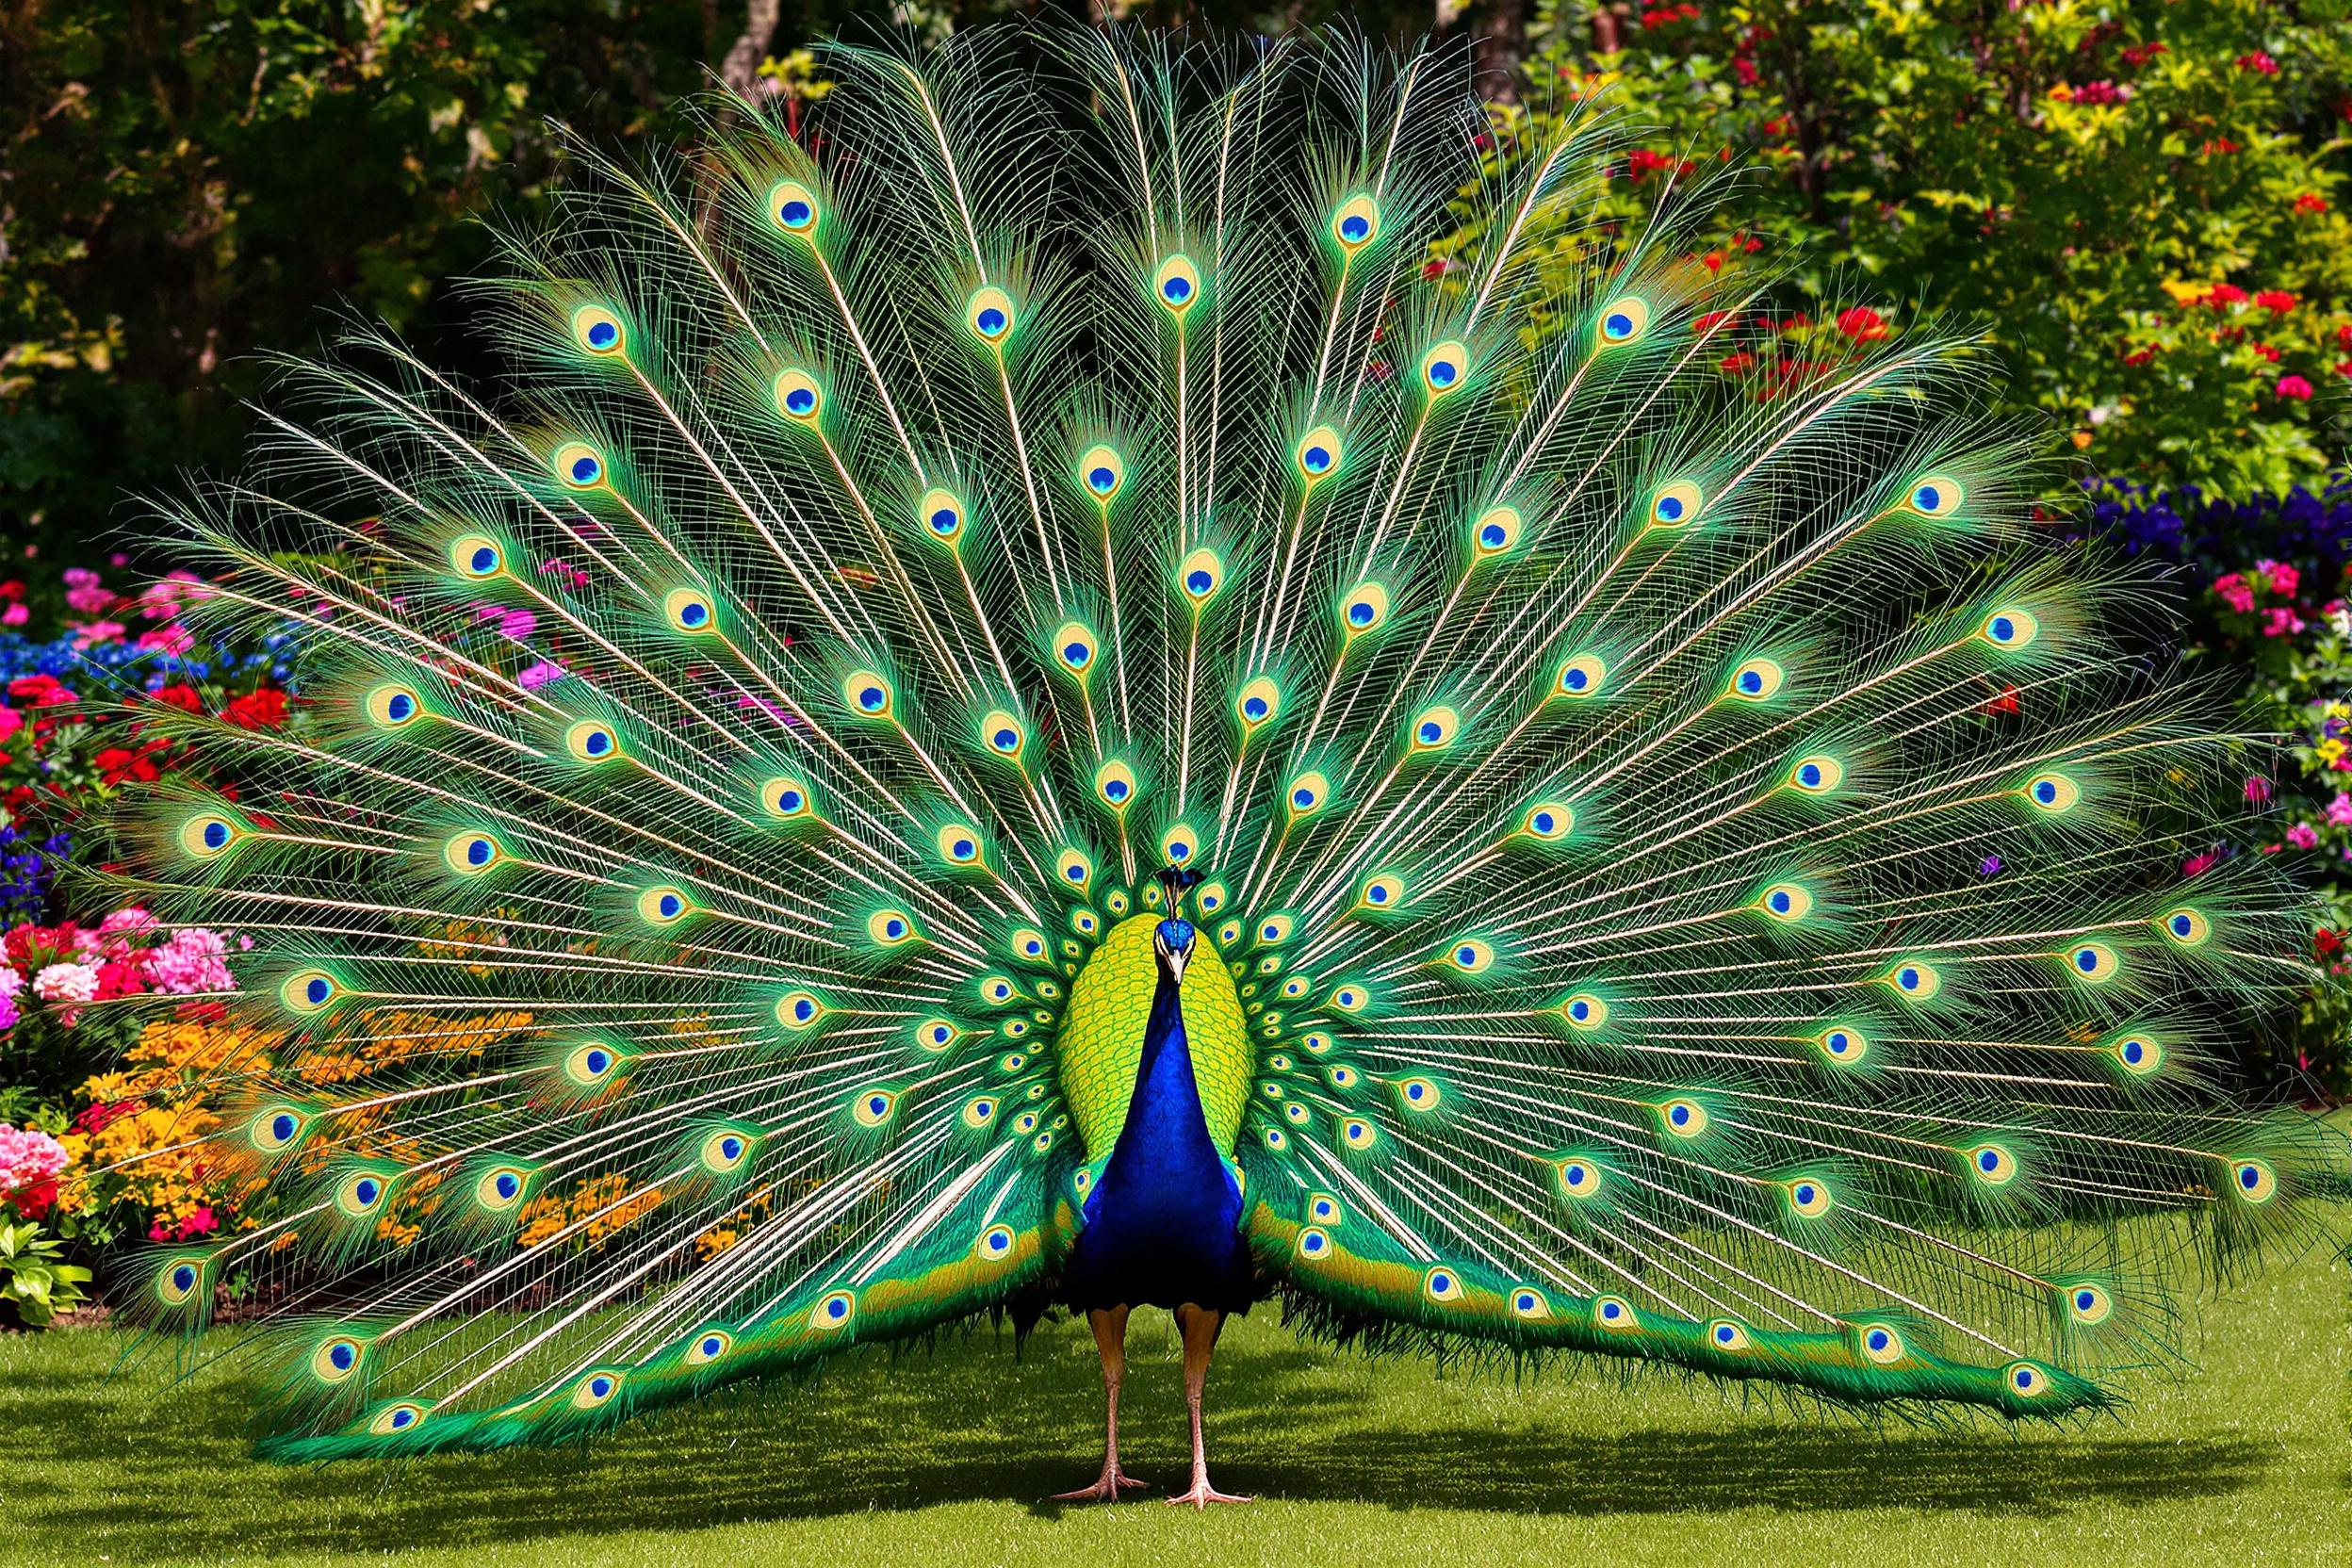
<point>1110,1338</point>
<point>1200,1327</point>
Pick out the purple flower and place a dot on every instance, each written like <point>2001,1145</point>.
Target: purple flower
<point>1989,866</point>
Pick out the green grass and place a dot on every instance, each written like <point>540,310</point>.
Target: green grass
<point>941,1457</point>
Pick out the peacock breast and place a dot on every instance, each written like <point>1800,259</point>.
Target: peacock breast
<point>1100,1046</point>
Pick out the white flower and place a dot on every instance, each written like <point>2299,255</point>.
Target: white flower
<point>66,983</point>
<point>10,982</point>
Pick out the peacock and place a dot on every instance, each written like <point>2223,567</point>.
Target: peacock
<point>1088,686</point>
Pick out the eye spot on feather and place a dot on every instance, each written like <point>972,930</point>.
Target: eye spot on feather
<point>2028,1381</point>
<point>799,1010</point>
<point>1257,703</point>
<point>1074,869</point>
<point>475,557</point>
<point>1350,999</point>
<point>1682,1118</point>
<point>1441,1284</point>
<point>1362,610</point>
<point>1580,1178</point>
<point>360,1194</point>
<point>1179,845</point>
<point>1528,1302</point>
<point>663,904</point>
<point>310,992</point>
<point>1085,922</point>
<point>872,1107</point>
<point>1843,1044</point>
<point>942,515</point>
<point>176,1279</point>
<point>274,1130</point>
<point>1817,775</point>
<point>869,694</point>
<point>890,927</point>
<point>500,1188</point>
<point>471,853</point>
<point>1317,455</point>
<point>1276,1140</point>
<point>723,1151</point>
<point>1580,676</point>
<point>995,1244</point>
<point>689,610</point>
<point>1306,794</point>
<point>393,707</point>
<point>1443,368</point>
<point>1786,902</point>
<point>2185,927</point>
<point>1730,1337</point>
<point>2139,1055</point>
<point>577,466</point>
<point>1614,1313</point>
<point>2052,794</point>
<point>208,836</point>
<point>591,740</point>
<point>2009,628</point>
<point>1809,1198</point>
<point>1469,955</point>
<point>794,207</point>
<point>598,330</point>
<point>1199,574</point>
<point>1992,1164</point>
<point>833,1311</point>
<point>798,396</point>
<point>1355,223</point>
<point>1881,1345</point>
<point>592,1065</point>
<point>1358,1134</point>
<point>1381,893</point>
<point>989,315</point>
<point>1177,286</point>
<point>1755,680</point>
<point>1494,531</point>
<point>2094,963</point>
<point>1913,980</point>
<point>1623,321</point>
<point>1934,496</point>
<point>1103,471</point>
<point>335,1360</point>
<point>1674,506</point>
<point>708,1346</point>
<point>1315,1043</point>
<point>1418,1094</point>
<point>402,1418</point>
<point>1584,1012</point>
<point>2253,1180</point>
<point>1314,1244</point>
<point>1432,730</point>
<point>2087,1304</point>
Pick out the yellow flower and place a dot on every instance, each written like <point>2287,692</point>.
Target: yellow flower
<point>2329,749</point>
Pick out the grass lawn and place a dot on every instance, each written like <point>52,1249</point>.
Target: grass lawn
<point>941,1457</point>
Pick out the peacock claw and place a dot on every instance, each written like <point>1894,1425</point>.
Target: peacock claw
<point>1106,1489</point>
<point>1203,1494</point>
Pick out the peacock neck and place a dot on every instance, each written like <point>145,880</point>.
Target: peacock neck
<point>1165,1158</point>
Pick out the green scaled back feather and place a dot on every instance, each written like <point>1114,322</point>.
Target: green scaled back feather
<point>691,912</point>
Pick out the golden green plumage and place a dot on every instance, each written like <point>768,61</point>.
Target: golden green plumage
<point>1101,1042</point>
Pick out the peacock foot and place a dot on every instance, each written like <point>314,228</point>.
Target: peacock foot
<point>1203,1494</point>
<point>1106,1489</point>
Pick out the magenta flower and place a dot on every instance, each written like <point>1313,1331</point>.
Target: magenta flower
<point>2258,789</point>
<point>2295,387</point>
<point>2303,836</point>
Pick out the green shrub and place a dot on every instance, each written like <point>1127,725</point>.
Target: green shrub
<point>2142,203</point>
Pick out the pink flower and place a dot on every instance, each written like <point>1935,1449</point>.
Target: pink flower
<point>132,919</point>
<point>90,633</point>
<point>83,595</point>
<point>2281,621</point>
<point>66,982</point>
<point>2258,62</point>
<point>2285,577</point>
<point>2235,591</point>
<point>540,673</point>
<point>2295,387</point>
<point>30,1161</point>
<point>2257,790</point>
<point>2340,810</point>
<point>190,962</point>
<point>15,615</point>
<point>2303,835</point>
<point>2197,865</point>
<point>175,639</point>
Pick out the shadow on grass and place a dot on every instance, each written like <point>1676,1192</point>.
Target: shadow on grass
<point>122,1471</point>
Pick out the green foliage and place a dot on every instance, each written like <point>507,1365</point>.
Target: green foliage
<point>36,1284</point>
<point>2142,201</point>
<point>189,185</point>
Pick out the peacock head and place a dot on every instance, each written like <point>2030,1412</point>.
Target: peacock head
<point>1173,945</point>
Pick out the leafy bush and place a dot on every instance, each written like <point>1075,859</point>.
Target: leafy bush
<point>2142,203</point>
<point>36,1282</point>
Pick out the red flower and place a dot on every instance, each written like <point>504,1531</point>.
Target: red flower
<point>182,698</point>
<point>2005,703</point>
<point>31,1202</point>
<point>2225,294</point>
<point>2140,54</point>
<point>1734,364</point>
<point>2277,300</point>
<point>2258,62</point>
<point>2265,351</point>
<point>2221,145</point>
<point>1706,323</point>
<point>2140,356</point>
<point>2311,202</point>
<point>2324,941</point>
<point>263,709</point>
<point>1861,324</point>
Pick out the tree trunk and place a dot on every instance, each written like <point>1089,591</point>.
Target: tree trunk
<point>740,70</point>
